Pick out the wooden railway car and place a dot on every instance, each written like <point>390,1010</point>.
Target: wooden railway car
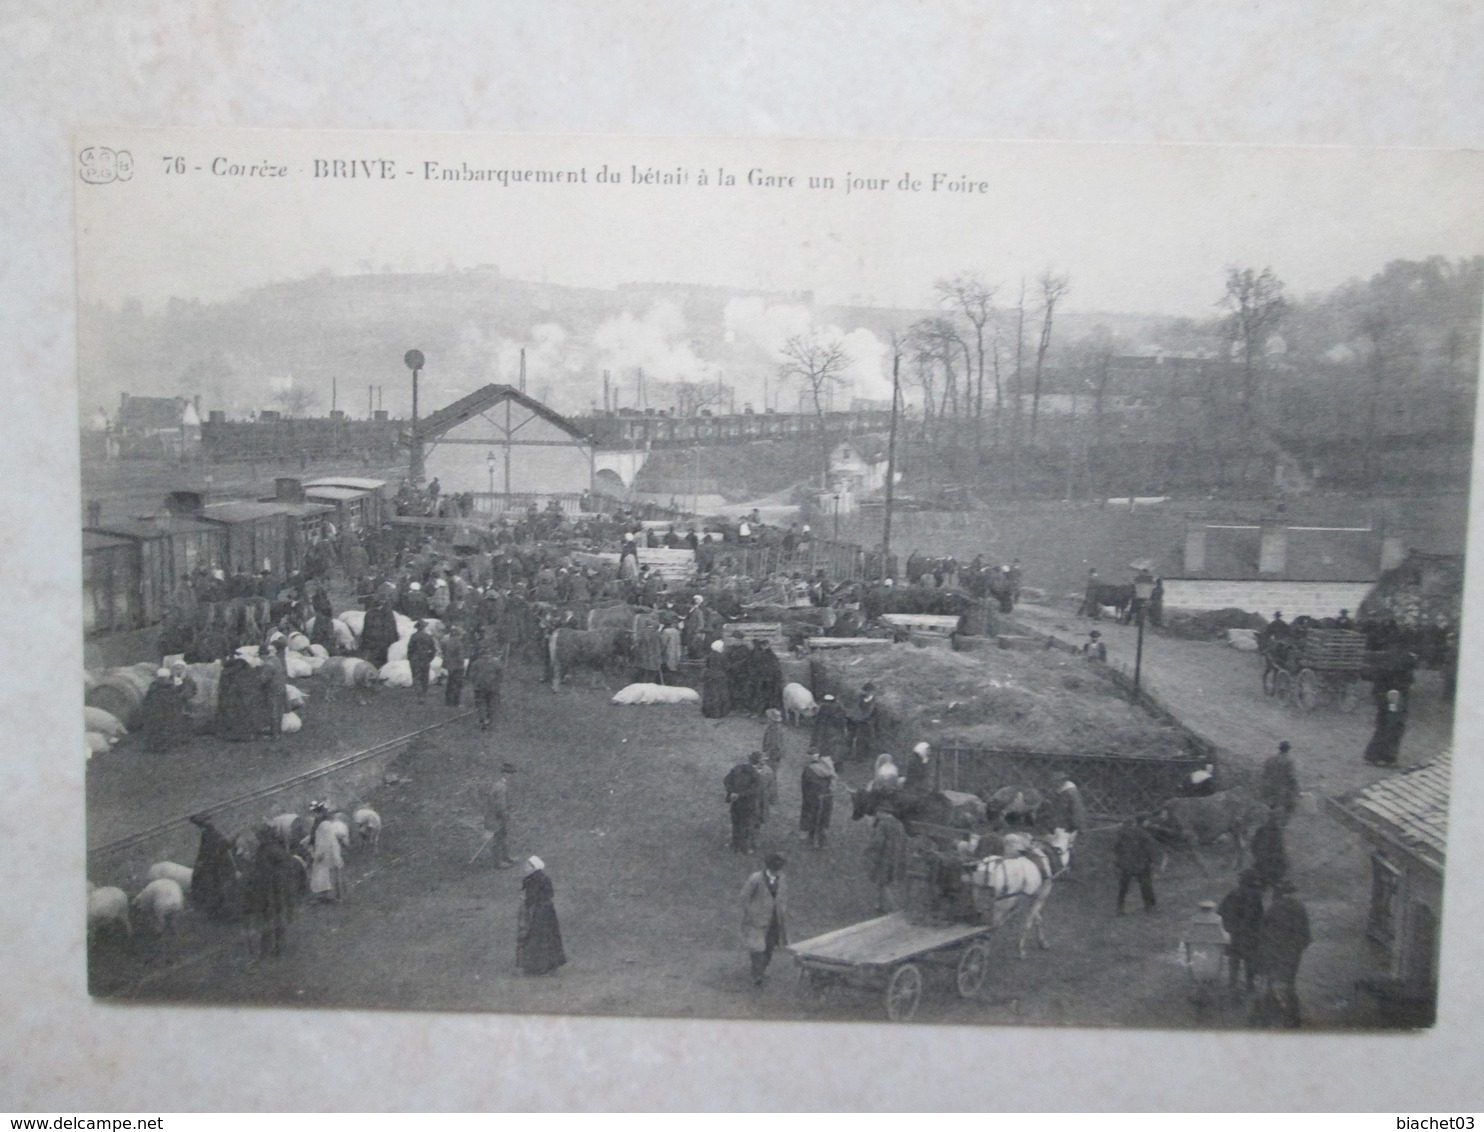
<point>271,536</point>
<point>360,504</point>
<point>110,583</point>
<point>168,549</point>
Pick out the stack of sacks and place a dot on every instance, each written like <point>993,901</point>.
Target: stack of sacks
<point>656,694</point>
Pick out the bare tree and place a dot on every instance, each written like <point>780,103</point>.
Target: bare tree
<point>691,397</point>
<point>295,400</point>
<point>818,361</point>
<point>1053,287</point>
<point>1255,306</point>
<point>969,296</point>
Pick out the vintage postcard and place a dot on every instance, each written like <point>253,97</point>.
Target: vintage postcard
<point>969,583</point>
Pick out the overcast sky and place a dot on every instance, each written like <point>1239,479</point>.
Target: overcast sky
<point>1139,229</point>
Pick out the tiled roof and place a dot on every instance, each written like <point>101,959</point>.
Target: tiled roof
<point>1410,808</point>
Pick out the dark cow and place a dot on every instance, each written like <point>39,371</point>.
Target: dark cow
<point>1194,822</point>
<point>1101,595</point>
<point>582,648</point>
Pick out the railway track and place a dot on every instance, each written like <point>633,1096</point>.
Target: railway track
<point>170,833</point>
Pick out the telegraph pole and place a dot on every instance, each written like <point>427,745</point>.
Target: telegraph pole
<point>891,458</point>
<point>414,362</point>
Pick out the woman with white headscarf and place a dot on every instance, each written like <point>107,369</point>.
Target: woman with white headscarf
<point>538,939</point>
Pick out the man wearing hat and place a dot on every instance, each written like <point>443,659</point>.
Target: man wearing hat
<point>1279,787</point>
<point>1241,915</point>
<point>744,788</point>
<point>274,687</point>
<point>1068,813</point>
<point>831,730</point>
<point>421,650</point>
<point>764,914</point>
<point>1094,648</point>
<point>817,799</point>
<point>497,817</point>
<point>1281,943</point>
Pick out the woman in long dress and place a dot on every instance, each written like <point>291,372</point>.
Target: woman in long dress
<point>716,696</point>
<point>326,863</point>
<point>538,941</point>
<point>1391,723</point>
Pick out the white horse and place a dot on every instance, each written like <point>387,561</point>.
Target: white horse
<point>1002,886</point>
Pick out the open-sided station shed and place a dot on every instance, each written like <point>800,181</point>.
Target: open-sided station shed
<point>507,450</point>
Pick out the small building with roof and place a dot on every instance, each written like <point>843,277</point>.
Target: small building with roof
<point>858,465</point>
<point>507,450</point>
<point>1403,820</point>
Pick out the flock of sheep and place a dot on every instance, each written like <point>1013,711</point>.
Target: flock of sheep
<point>162,900</point>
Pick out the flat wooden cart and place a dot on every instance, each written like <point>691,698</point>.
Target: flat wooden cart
<point>887,955</point>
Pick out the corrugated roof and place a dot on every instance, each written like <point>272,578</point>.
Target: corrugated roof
<point>1410,808</point>
<point>481,399</point>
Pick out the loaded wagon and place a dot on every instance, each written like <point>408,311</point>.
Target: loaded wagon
<point>1313,666</point>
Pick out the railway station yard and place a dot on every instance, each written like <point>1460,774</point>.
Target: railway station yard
<point>625,806</point>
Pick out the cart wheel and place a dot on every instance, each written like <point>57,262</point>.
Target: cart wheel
<point>1307,690</point>
<point>1283,685</point>
<point>903,993</point>
<point>973,968</point>
<point>1351,696</point>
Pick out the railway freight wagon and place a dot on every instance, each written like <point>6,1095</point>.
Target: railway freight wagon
<point>110,583</point>
<point>270,536</point>
<point>360,504</point>
<point>167,549</point>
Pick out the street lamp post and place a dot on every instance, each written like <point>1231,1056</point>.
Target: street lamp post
<point>837,516</point>
<point>414,362</point>
<point>1143,591</point>
<point>490,461</point>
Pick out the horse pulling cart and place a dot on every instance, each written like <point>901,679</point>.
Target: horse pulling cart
<point>887,955</point>
<point>1314,666</point>
<point>955,903</point>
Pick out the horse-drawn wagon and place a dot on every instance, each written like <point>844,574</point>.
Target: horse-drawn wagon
<point>1311,666</point>
<point>955,901</point>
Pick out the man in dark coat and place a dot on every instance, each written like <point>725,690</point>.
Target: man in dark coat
<point>1279,784</point>
<point>378,631</point>
<point>215,883</point>
<point>274,684</point>
<point>744,799</point>
<point>767,679</point>
<point>1134,852</point>
<point>1281,942</point>
<point>497,817</point>
<point>455,653</point>
<point>1241,916</point>
<point>886,857</point>
<point>864,723</point>
<point>738,656</point>
<point>1269,857</point>
<point>271,886</point>
<point>239,700</point>
<point>486,675</point>
<point>917,769</point>
<point>538,939</point>
<point>421,649</point>
<point>415,603</point>
<point>816,789</point>
<point>830,735</point>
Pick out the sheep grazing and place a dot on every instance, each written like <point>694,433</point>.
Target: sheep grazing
<point>163,900</point>
<point>169,870</point>
<point>108,908</point>
<point>368,827</point>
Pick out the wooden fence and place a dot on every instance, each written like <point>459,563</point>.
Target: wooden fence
<point>1112,786</point>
